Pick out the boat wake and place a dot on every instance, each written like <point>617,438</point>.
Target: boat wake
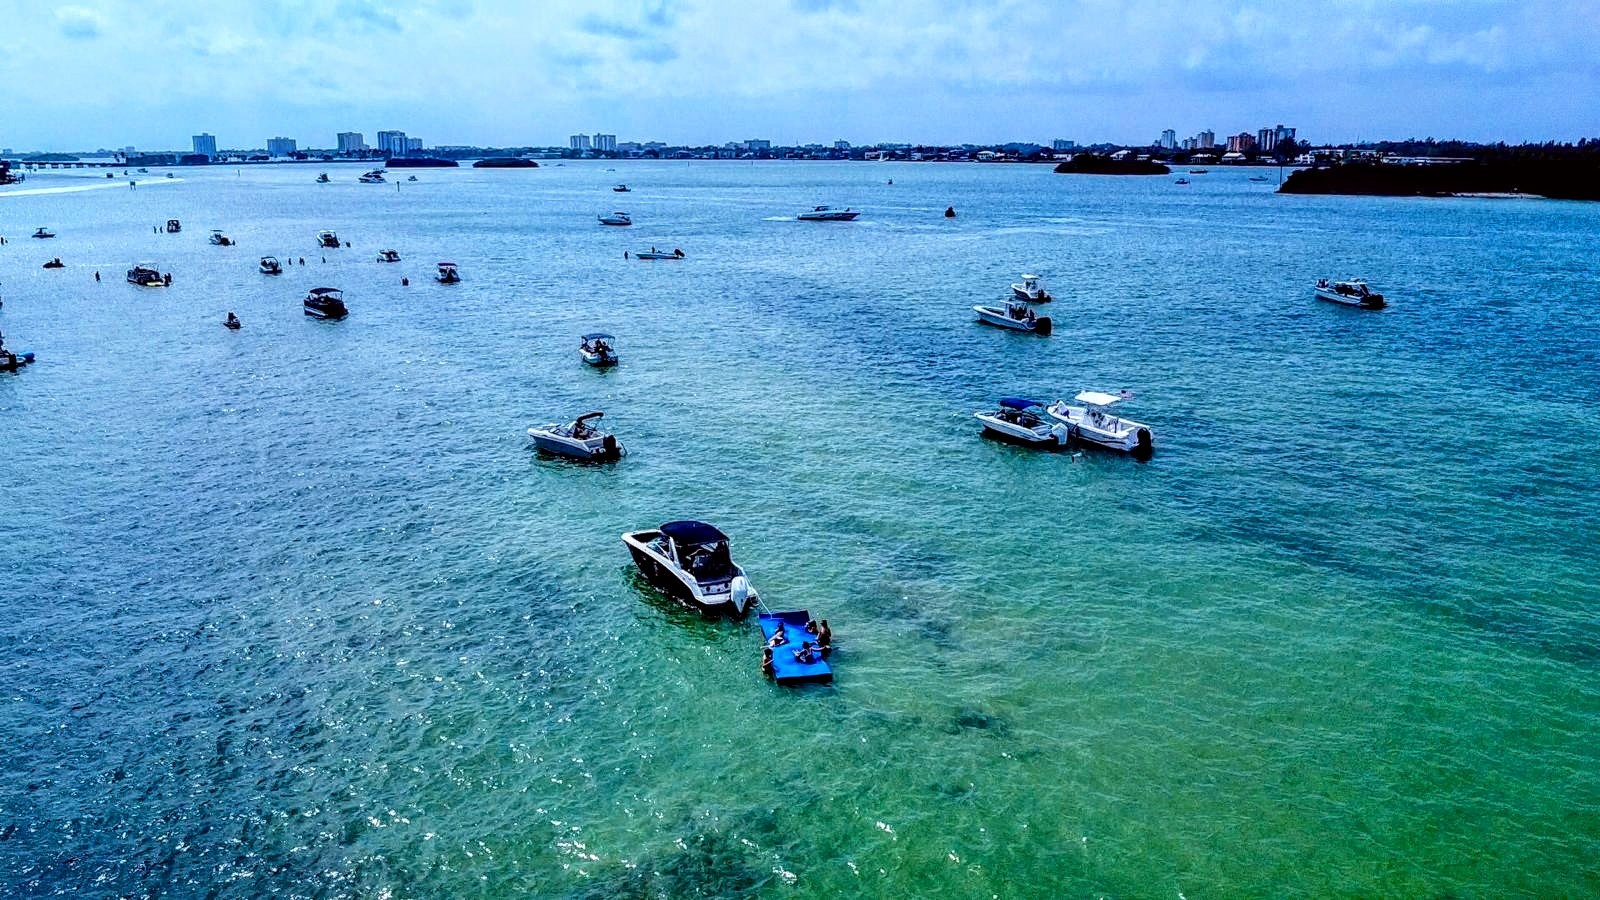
<point>100,186</point>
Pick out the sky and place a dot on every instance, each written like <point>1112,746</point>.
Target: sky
<point>85,74</point>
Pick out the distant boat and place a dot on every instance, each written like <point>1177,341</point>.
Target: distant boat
<point>578,439</point>
<point>1353,292</point>
<point>617,218</point>
<point>828,214</point>
<point>220,239</point>
<point>174,226</point>
<point>411,178</point>
<point>1199,171</point>
<point>597,350</point>
<point>653,253</point>
<point>1259,178</point>
<point>146,275</point>
<point>323,178</point>
<point>1030,290</point>
<point>1181,181</point>
<point>1014,316</point>
<point>270,266</point>
<point>622,189</point>
<point>327,239</point>
<point>1091,422</point>
<point>448,274</point>
<point>373,177</point>
<point>1020,420</point>
<point>388,256</point>
<point>325,303</point>
<point>44,233</point>
<point>505,162</point>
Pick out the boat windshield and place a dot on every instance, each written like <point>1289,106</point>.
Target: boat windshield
<point>706,562</point>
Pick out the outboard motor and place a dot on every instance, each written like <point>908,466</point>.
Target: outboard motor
<point>739,591</point>
<point>610,443</point>
<point>1061,433</point>
<point>1042,325</point>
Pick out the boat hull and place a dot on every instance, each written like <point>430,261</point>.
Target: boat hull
<point>1029,296</point>
<point>1134,437</point>
<point>608,450</point>
<point>989,315</point>
<point>327,314</point>
<point>1370,301</point>
<point>828,217</point>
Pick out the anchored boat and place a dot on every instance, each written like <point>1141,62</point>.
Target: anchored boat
<point>616,218</point>
<point>327,239</point>
<point>653,253</point>
<point>1030,290</point>
<point>597,351</point>
<point>146,275</point>
<point>1349,293</point>
<point>448,274</point>
<point>44,233</point>
<point>690,561</point>
<point>578,439</point>
<point>388,256</point>
<point>325,303</point>
<point>1020,420</point>
<point>220,239</point>
<point>828,214</point>
<point>1092,423</point>
<point>1015,316</point>
<point>373,177</point>
<point>271,266</point>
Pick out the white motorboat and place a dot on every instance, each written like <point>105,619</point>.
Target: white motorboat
<point>271,266</point>
<point>597,349</point>
<point>828,214</point>
<point>621,188</point>
<point>373,177</point>
<point>220,239</point>
<point>448,274</point>
<point>577,439</point>
<point>1091,422</point>
<point>1020,420</point>
<point>1030,290</point>
<point>690,561</point>
<point>388,256</point>
<point>1015,316</point>
<point>327,239</point>
<point>1349,293</point>
<point>653,253</point>
<point>617,218</point>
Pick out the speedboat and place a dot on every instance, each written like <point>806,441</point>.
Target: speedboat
<point>220,239</point>
<point>146,275</point>
<point>174,226</point>
<point>1259,178</point>
<point>621,188</point>
<point>577,439</point>
<point>325,303</point>
<point>653,253</point>
<point>44,233</point>
<point>327,239</point>
<point>617,218</point>
<point>448,274</point>
<point>412,178</point>
<point>828,214</point>
<point>1031,290</point>
<point>323,178</point>
<point>1021,420</point>
<point>388,256</point>
<point>373,177</point>
<point>1090,422</point>
<point>232,323</point>
<point>11,361</point>
<point>1349,293</point>
<point>690,562</point>
<point>1015,316</point>
<point>597,351</point>
<point>55,264</point>
<point>270,266</point>
<point>1181,181</point>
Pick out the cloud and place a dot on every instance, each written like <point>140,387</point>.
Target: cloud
<point>78,23</point>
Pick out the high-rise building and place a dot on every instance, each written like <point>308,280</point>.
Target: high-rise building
<point>1169,140</point>
<point>280,146</point>
<point>1266,139</point>
<point>413,145</point>
<point>205,145</point>
<point>1243,142</point>
<point>392,143</point>
<point>579,142</point>
<point>1283,133</point>
<point>351,142</point>
<point>605,143</point>
<point>1205,140</point>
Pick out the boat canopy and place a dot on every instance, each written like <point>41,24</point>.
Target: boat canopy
<point>1027,277</point>
<point>321,292</point>
<point>447,265</point>
<point>269,260</point>
<point>691,533</point>
<point>1097,398</point>
<point>599,336</point>
<point>1019,403</point>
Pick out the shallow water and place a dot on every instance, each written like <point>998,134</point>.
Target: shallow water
<point>296,610</point>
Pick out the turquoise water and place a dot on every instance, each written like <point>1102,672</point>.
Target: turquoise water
<point>297,611</point>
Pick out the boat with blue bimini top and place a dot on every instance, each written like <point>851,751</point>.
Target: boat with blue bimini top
<point>1016,316</point>
<point>690,562</point>
<point>325,303</point>
<point>578,439</point>
<point>798,655</point>
<point>597,349</point>
<point>1091,422</point>
<point>1020,420</point>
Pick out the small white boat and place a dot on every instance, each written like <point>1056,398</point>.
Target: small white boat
<point>597,349</point>
<point>577,439</point>
<point>653,253</point>
<point>621,188</point>
<point>1353,292</point>
<point>691,562</point>
<point>1181,181</point>
<point>617,218</point>
<point>1260,178</point>
<point>271,266</point>
<point>448,273</point>
<point>828,214</point>
<point>220,239</point>
<point>327,239</point>
<point>1030,290</point>
<point>44,233</point>
<point>1091,422</point>
<point>388,256</point>
<point>1021,420</point>
<point>1015,316</point>
<point>373,177</point>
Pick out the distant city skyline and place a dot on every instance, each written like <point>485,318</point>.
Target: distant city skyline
<point>499,73</point>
